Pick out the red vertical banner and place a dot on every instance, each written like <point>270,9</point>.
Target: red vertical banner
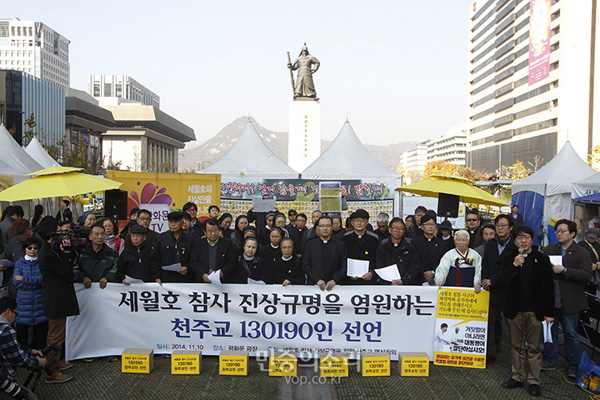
<point>539,40</point>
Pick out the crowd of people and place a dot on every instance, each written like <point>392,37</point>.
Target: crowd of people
<point>43,258</point>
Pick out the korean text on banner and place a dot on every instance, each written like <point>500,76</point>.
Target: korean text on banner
<point>253,318</point>
<point>461,327</point>
<point>539,40</point>
<point>172,190</point>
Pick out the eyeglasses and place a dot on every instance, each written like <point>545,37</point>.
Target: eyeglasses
<point>33,248</point>
<point>562,231</point>
<point>472,219</point>
<point>502,225</point>
<point>144,218</point>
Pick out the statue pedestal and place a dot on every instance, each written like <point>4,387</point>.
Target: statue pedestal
<point>304,144</point>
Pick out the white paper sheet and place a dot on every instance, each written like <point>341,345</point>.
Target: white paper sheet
<point>357,268</point>
<point>389,273</point>
<point>133,280</point>
<point>215,279</point>
<point>253,282</point>
<point>173,267</point>
<point>556,260</point>
<point>547,331</point>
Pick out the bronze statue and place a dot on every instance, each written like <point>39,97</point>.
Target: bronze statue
<point>304,86</point>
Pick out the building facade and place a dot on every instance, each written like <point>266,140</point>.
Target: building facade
<point>22,95</point>
<point>107,87</point>
<point>531,81</point>
<point>36,49</point>
<point>144,139</point>
<point>450,147</point>
<point>412,164</point>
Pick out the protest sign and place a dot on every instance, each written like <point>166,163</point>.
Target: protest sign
<point>461,327</point>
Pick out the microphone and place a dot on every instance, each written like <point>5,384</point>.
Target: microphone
<point>521,251</point>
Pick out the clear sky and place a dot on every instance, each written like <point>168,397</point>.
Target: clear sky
<point>397,69</point>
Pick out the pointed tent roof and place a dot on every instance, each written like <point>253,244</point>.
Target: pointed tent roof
<point>251,157</point>
<point>346,157</point>
<point>39,154</point>
<point>14,155</point>
<point>557,176</point>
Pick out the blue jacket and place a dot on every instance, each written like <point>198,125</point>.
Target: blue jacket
<point>30,298</point>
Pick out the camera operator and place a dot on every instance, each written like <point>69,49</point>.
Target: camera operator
<point>14,355</point>
<point>56,261</point>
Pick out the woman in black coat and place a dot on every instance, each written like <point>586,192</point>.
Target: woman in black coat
<point>270,252</point>
<point>237,236</point>
<point>247,264</point>
<point>287,269</point>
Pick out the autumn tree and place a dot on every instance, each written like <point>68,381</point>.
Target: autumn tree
<point>514,172</point>
<point>594,158</point>
<point>442,167</point>
<point>30,133</point>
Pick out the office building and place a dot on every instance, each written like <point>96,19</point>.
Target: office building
<point>117,89</point>
<point>531,83</point>
<point>36,49</point>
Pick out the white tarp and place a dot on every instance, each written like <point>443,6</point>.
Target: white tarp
<point>346,158</point>
<point>302,319</point>
<point>587,186</point>
<point>251,157</point>
<point>39,154</point>
<point>14,156</point>
<point>558,175</point>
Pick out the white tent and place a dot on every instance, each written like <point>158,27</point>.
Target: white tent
<point>347,158</point>
<point>250,157</point>
<point>14,156</point>
<point>546,195</point>
<point>39,154</point>
<point>587,186</point>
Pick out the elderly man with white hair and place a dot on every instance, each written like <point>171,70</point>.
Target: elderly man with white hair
<point>460,266</point>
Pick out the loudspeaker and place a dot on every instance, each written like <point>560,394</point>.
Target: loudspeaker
<point>115,204</point>
<point>448,205</point>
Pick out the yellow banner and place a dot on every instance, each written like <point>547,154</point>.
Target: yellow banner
<point>461,328</point>
<point>173,190</point>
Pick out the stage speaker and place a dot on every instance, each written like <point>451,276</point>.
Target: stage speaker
<point>448,205</point>
<point>115,204</point>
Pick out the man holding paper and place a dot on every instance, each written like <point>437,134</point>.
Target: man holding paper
<point>397,261</point>
<point>173,254</point>
<point>214,254</point>
<point>572,267</point>
<point>361,248</point>
<point>324,258</point>
<point>132,265</point>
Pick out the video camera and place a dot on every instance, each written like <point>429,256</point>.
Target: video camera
<point>12,388</point>
<point>77,235</point>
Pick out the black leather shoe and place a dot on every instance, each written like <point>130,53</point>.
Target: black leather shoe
<point>511,384</point>
<point>535,390</point>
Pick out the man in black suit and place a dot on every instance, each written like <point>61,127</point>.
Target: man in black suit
<point>214,253</point>
<point>516,216</point>
<point>324,258</point>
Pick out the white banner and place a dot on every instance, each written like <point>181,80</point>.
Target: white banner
<point>302,319</point>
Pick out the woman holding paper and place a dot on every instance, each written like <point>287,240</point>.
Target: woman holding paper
<point>397,262</point>
<point>460,266</point>
<point>247,264</point>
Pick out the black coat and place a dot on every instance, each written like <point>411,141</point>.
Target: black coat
<point>60,300</point>
<point>239,274</point>
<point>572,283</point>
<point>135,263</point>
<point>290,270</point>
<point>167,251</point>
<point>491,267</point>
<point>430,252</point>
<point>313,261</point>
<point>224,261</point>
<point>268,255</point>
<point>542,287</point>
<point>404,256</point>
<point>363,248</point>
